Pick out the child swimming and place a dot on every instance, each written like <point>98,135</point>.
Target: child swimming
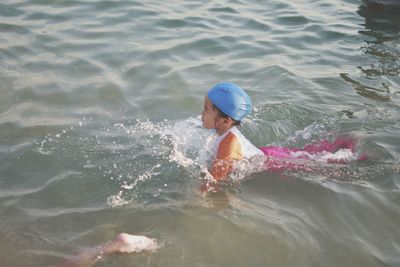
<point>225,105</point>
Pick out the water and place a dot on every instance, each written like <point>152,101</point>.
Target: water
<point>100,134</point>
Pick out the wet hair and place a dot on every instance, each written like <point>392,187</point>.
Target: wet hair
<point>223,115</point>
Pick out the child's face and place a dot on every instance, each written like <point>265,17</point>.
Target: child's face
<point>209,115</point>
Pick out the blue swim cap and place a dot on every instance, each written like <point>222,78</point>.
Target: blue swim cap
<point>231,100</point>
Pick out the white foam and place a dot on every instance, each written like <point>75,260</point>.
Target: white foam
<point>324,156</point>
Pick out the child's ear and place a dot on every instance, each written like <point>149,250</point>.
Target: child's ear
<point>229,121</point>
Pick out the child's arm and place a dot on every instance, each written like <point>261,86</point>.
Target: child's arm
<point>221,168</point>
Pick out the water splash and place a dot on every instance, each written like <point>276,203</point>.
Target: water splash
<point>181,145</point>
<point>142,158</point>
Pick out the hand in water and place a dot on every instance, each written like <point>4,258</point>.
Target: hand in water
<point>123,243</point>
<point>126,243</point>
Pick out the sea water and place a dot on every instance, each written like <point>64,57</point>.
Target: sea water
<point>100,130</point>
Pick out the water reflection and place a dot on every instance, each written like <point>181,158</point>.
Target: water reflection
<point>382,24</point>
<point>381,69</point>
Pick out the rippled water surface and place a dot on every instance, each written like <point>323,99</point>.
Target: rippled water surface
<point>100,130</point>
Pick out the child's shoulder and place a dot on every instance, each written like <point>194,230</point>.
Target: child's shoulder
<point>229,147</point>
<point>234,140</point>
<point>248,148</point>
